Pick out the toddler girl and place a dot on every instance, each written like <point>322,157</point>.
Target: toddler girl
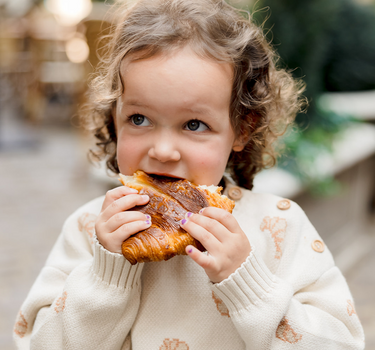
<point>190,90</point>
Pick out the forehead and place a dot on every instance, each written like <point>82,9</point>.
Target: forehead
<point>186,54</point>
<point>181,73</point>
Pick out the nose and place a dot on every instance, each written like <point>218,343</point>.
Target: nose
<point>164,149</point>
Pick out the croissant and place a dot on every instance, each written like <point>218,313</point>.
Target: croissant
<point>170,200</point>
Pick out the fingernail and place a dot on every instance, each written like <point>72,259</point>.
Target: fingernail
<point>189,214</point>
<point>201,211</point>
<point>148,222</point>
<point>145,196</point>
<point>183,222</point>
<point>132,190</point>
<point>190,250</point>
<point>148,217</point>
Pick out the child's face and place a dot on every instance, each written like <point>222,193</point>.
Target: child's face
<point>173,117</point>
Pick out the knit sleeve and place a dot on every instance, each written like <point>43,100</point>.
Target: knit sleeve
<point>84,298</point>
<point>305,304</point>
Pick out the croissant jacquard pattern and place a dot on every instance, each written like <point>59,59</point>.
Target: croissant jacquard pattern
<point>170,200</point>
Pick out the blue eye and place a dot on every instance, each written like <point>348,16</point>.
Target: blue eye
<point>196,125</point>
<point>139,119</point>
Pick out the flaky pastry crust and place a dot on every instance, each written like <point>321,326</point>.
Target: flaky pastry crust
<point>170,200</point>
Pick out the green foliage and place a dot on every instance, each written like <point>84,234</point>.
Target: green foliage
<point>307,153</point>
<point>331,45</point>
<point>326,42</point>
<point>350,64</point>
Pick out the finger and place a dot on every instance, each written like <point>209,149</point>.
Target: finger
<point>125,217</point>
<point>222,216</point>
<point>113,241</point>
<point>211,225</point>
<point>124,203</point>
<point>117,193</point>
<point>200,258</point>
<point>206,238</point>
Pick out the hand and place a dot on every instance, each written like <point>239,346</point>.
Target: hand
<point>116,222</point>
<point>226,243</point>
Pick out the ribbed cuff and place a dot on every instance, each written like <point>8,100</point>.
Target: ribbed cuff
<point>251,282</point>
<point>114,269</point>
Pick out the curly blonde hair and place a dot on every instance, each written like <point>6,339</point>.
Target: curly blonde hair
<point>264,99</point>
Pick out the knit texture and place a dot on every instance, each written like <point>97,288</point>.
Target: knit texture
<point>286,295</point>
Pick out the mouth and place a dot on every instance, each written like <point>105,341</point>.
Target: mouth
<point>157,174</point>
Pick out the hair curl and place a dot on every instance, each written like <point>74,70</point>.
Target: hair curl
<point>264,101</point>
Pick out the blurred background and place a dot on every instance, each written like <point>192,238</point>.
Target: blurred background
<point>48,49</point>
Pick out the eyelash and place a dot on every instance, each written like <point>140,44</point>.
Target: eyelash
<point>130,120</point>
<point>199,121</point>
<point>130,117</point>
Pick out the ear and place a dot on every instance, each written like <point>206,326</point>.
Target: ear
<point>244,134</point>
<point>238,147</point>
<point>240,142</point>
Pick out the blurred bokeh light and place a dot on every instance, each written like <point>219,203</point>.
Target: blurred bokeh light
<point>69,12</point>
<point>50,48</point>
<point>77,50</point>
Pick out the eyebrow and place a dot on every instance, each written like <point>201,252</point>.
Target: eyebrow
<point>136,103</point>
<point>204,111</point>
<point>199,110</point>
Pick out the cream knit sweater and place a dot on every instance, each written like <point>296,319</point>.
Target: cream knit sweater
<point>287,295</point>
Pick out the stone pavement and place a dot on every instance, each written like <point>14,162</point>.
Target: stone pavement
<point>40,186</point>
<point>41,183</point>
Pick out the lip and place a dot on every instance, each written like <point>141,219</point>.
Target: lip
<point>165,174</point>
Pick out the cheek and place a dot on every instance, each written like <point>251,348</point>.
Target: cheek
<point>126,147</point>
<point>126,143</point>
<point>128,154</point>
<point>212,159</point>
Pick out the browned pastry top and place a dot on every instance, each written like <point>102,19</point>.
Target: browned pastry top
<point>170,200</point>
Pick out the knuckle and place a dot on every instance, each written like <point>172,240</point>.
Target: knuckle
<point>215,225</point>
<point>103,241</point>
<point>137,198</point>
<point>130,229</point>
<point>128,190</point>
<point>125,228</point>
<point>118,217</point>
<point>209,266</point>
<point>226,216</point>
<point>206,264</point>
<point>133,199</point>
<point>211,211</point>
<point>109,194</point>
<point>99,228</point>
<point>115,205</point>
<point>112,193</point>
<point>205,236</point>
